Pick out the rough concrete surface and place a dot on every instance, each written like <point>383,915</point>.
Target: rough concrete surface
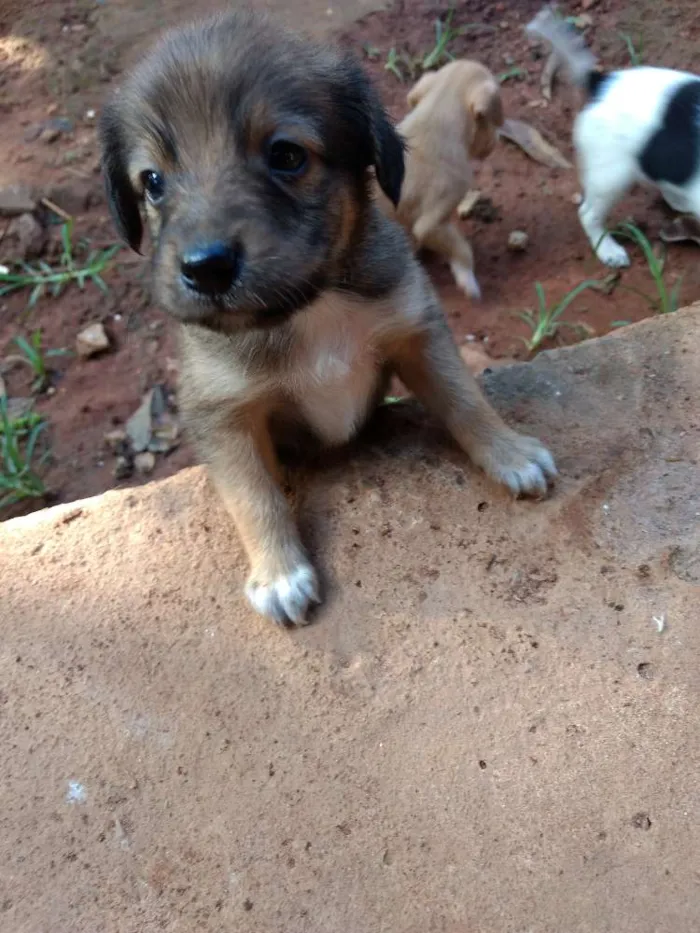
<point>483,732</point>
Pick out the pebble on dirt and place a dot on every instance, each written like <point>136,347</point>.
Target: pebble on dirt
<point>518,241</point>
<point>16,199</point>
<point>116,439</point>
<point>145,462</point>
<point>123,468</point>
<point>24,239</point>
<point>73,197</point>
<point>92,340</point>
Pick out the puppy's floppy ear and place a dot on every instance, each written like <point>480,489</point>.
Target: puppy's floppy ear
<point>420,89</point>
<point>122,200</point>
<point>368,129</point>
<point>389,149</point>
<point>485,103</point>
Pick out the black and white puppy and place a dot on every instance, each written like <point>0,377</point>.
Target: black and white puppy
<point>637,125</point>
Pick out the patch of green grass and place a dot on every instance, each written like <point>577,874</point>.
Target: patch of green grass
<point>405,66</point>
<point>666,299</point>
<point>32,354</point>
<point>392,63</point>
<point>515,72</point>
<point>545,321</point>
<point>18,441</point>
<point>635,54</point>
<point>41,277</point>
<point>445,33</point>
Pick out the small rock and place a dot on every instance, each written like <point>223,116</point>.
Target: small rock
<point>25,238</point>
<point>166,435</point>
<point>73,198</point>
<point>49,135</point>
<point>518,241</point>
<point>116,439</point>
<point>92,340</point>
<point>19,407</point>
<point>577,198</point>
<point>50,130</point>
<point>16,199</point>
<point>139,427</point>
<point>144,462</point>
<point>583,21</point>
<point>123,468</point>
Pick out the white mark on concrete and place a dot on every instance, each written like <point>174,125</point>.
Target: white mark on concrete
<point>660,622</point>
<point>606,507</point>
<point>76,792</point>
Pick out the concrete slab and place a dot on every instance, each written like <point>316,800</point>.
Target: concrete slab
<point>492,726</point>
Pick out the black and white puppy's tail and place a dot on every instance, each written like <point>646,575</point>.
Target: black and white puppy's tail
<point>569,46</point>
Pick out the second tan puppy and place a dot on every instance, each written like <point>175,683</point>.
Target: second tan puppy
<point>249,150</point>
<point>455,116</point>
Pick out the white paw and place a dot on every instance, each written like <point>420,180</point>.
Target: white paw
<point>612,254</point>
<point>522,464</point>
<point>285,598</point>
<point>466,280</point>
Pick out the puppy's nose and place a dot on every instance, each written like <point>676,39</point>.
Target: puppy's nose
<point>210,269</point>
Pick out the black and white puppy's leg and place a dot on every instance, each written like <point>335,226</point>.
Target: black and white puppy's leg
<point>606,176</point>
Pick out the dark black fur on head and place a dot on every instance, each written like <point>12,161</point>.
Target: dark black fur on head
<point>202,111</point>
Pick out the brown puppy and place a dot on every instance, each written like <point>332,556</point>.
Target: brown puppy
<point>455,116</point>
<point>248,149</point>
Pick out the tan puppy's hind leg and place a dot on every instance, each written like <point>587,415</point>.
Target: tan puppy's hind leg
<point>445,239</point>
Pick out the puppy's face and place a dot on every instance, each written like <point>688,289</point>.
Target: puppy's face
<point>247,150</point>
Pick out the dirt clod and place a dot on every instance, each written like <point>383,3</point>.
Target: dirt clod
<point>25,239</point>
<point>518,241</point>
<point>144,462</point>
<point>92,340</point>
<point>16,199</point>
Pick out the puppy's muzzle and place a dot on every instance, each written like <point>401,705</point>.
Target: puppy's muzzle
<point>211,269</point>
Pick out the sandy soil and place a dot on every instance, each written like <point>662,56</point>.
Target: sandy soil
<point>492,726</point>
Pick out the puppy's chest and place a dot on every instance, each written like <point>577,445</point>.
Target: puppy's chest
<point>334,367</point>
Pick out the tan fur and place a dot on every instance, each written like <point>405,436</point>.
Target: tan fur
<point>454,118</point>
<point>249,385</point>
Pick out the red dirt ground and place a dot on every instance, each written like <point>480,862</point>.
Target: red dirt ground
<point>61,60</point>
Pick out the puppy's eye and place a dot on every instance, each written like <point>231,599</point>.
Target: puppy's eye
<point>286,158</point>
<point>153,185</point>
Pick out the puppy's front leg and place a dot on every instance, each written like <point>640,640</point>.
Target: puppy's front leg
<point>429,364</point>
<point>282,583</point>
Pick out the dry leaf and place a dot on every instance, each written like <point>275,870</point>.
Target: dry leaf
<point>533,144</point>
<point>548,75</point>
<point>681,229</point>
